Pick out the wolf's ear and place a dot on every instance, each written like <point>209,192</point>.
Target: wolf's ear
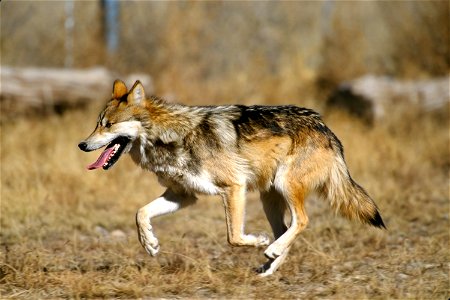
<point>136,94</point>
<point>119,89</point>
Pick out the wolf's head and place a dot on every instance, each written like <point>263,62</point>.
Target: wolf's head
<point>118,125</point>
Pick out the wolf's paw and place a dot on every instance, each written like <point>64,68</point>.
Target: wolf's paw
<point>262,240</point>
<point>273,251</point>
<point>252,240</point>
<point>264,273</point>
<point>152,250</point>
<point>148,241</point>
<point>264,269</point>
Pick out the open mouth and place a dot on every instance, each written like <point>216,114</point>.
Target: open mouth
<point>111,154</point>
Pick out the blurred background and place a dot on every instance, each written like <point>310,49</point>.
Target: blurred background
<point>378,72</point>
<point>227,52</point>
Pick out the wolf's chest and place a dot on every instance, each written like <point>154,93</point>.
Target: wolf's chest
<point>174,166</point>
<point>195,183</point>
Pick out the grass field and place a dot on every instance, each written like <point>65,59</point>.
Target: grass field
<point>70,233</point>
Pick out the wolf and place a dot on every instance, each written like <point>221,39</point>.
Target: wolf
<point>284,152</point>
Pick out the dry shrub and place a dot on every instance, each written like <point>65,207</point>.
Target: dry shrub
<point>399,39</point>
<point>419,44</point>
<point>344,42</point>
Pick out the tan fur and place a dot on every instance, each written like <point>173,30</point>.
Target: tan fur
<point>263,157</point>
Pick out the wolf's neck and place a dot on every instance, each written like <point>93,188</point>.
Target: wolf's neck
<point>170,122</point>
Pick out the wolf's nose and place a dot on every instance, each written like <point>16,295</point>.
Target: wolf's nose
<point>82,146</point>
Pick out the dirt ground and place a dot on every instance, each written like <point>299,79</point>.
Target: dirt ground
<point>70,233</point>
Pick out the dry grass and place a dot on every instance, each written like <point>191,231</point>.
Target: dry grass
<point>67,232</point>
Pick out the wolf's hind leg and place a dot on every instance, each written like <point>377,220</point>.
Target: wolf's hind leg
<point>294,193</point>
<point>274,206</point>
<point>169,202</point>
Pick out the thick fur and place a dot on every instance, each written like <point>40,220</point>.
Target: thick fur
<point>285,152</point>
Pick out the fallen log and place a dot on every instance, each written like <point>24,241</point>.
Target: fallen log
<point>37,90</point>
<point>371,98</point>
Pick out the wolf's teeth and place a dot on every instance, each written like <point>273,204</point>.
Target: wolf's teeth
<point>115,148</point>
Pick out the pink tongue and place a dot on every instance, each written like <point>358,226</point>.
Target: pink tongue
<point>101,160</point>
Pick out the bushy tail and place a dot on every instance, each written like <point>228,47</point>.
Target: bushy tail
<point>348,198</point>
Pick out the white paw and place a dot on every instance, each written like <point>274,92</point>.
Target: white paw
<point>273,251</point>
<point>148,241</point>
<point>254,240</point>
<point>152,250</point>
<point>265,269</point>
<point>265,273</point>
<point>262,240</point>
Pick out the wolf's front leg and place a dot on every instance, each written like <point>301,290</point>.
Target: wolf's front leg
<point>169,202</point>
<point>234,203</point>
